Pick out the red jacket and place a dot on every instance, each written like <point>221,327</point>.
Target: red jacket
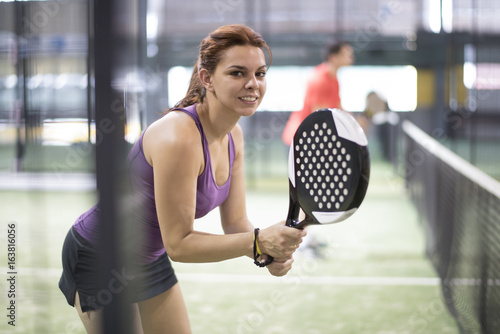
<point>322,91</point>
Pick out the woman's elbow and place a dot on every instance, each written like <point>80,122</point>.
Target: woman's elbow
<point>174,253</point>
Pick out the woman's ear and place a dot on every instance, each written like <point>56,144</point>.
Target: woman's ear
<point>206,79</point>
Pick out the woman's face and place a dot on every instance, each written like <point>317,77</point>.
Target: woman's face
<point>239,80</point>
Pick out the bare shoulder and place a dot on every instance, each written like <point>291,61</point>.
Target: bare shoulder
<point>237,134</point>
<point>173,133</point>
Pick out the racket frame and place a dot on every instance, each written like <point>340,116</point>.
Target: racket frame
<point>346,128</point>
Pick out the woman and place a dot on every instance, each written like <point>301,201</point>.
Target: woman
<point>202,133</point>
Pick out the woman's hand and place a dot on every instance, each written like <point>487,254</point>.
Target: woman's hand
<point>279,267</point>
<point>280,241</point>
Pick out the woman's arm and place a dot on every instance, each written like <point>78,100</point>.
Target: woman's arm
<point>233,211</point>
<point>173,146</point>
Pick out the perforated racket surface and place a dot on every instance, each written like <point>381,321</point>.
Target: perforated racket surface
<point>329,168</point>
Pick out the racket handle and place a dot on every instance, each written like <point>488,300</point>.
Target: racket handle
<point>269,260</point>
<point>291,223</point>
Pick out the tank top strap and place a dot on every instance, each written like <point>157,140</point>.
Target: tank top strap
<point>232,151</point>
<point>191,111</point>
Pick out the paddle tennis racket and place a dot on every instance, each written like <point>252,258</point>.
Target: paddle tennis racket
<point>328,169</point>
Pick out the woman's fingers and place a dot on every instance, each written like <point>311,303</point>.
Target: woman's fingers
<point>280,267</point>
<point>280,241</point>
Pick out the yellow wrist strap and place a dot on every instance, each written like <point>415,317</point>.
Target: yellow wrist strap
<point>257,246</point>
<point>257,253</point>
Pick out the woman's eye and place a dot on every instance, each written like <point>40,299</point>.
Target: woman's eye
<point>261,74</point>
<point>236,73</point>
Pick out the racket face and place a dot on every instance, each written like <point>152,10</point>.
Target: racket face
<point>329,167</point>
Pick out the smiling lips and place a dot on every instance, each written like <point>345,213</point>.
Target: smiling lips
<point>249,98</point>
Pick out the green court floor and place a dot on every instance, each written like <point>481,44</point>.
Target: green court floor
<point>371,275</point>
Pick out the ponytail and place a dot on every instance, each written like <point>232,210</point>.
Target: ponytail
<point>196,91</point>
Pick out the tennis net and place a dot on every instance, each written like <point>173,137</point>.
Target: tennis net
<point>459,207</point>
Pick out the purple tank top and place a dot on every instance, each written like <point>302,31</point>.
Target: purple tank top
<point>208,195</point>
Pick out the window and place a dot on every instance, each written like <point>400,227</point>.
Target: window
<point>286,86</point>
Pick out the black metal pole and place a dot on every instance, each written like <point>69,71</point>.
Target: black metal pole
<point>90,68</point>
<point>111,150</point>
<point>21,88</point>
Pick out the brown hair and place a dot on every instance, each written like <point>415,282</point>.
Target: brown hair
<point>334,48</point>
<point>211,51</point>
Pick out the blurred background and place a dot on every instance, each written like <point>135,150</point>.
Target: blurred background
<point>435,62</point>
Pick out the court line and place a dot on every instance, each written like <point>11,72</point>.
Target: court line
<point>310,280</point>
<point>47,181</point>
<point>290,279</point>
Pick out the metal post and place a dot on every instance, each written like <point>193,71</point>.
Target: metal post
<point>111,151</point>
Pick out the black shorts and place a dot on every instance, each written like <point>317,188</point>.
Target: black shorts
<point>80,261</point>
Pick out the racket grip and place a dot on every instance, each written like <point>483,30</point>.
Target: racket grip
<point>269,260</point>
<point>290,223</point>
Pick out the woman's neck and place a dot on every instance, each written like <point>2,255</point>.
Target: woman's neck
<point>216,123</point>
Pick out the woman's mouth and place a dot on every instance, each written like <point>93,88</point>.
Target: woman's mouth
<point>248,98</point>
